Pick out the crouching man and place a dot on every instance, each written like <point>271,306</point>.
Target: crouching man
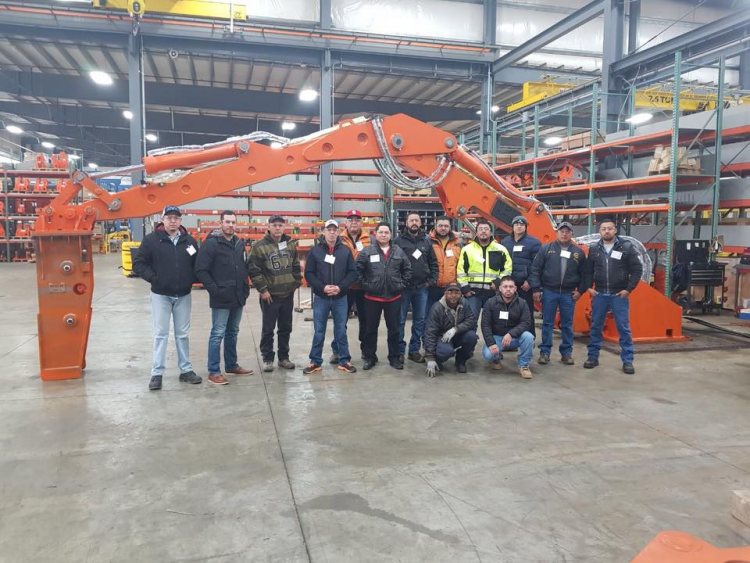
<point>451,330</point>
<point>506,325</point>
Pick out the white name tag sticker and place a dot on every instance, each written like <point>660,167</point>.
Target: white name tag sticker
<point>330,258</point>
<point>616,254</point>
<point>359,245</point>
<point>282,245</point>
<point>504,315</point>
<point>417,253</point>
<point>565,253</point>
<point>518,248</point>
<point>480,260</point>
<point>375,258</point>
<point>191,250</point>
<point>449,254</point>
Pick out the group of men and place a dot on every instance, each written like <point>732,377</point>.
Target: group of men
<point>447,287</point>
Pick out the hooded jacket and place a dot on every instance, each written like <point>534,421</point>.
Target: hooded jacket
<point>168,267</point>
<point>517,322</point>
<point>446,255</point>
<point>418,249</point>
<point>546,270</point>
<point>274,266</point>
<point>442,318</point>
<point>523,252</point>
<point>324,267</point>
<point>221,269</point>
<point>612,272</point>
<point>380,276</point>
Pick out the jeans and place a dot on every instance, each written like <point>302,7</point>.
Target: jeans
<point>356,297</point>
<point>524,345</point>
<point>528,296</point>
<point>434,294</point>
<point>417,298</point>
<point>178,309</point>
<point>620,307</point>
<point>478,300</point>
<point>338,307</point>
<point>225,325</point>
<point>391,312</point>
<point>465,342</point>
<point>278,312</point>
<point>551,301</point>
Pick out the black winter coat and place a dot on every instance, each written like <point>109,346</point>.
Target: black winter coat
<point>440,319</point>
<point>611,273</point>
<point>320,273</point>
<point>380,277</point>
<point>528,247</point>
<point>546,269</point>
<point>222,270</point>
<point>424,270</point>
<point>518,321</point>
<point>169,268</point>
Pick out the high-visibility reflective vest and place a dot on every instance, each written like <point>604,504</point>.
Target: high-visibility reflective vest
<point>478,265</point>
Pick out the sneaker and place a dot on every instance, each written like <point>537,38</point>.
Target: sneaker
<point>543,359</point>
<point>217,379</point>
<point>268,367</point>
<point>347,367</point>
<point>368,364</point>
<point>190,377</point>
<point>628,368</point>
<point>239,370</point>
<point>155,383</point>
<point>497,366</point>
<point>591,363</point>
<point>525,372</point>
<point>334,359</point>
<point>286,364</point>
<point>312,368</point>
<point>415,357</point>
<point>567,360</point>
<point>395,364</point>
<point>461,367</point>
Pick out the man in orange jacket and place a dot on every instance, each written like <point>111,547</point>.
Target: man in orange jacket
<point>447,248</point>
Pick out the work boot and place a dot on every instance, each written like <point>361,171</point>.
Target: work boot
<point>190,377</point>
<point>543,358</point>
<point>286,364</point>
<point>239,370</point>
<point>268,366</point>
<point>401,358</point>
<point>461,367</point>
<point>396,364</point>
<point>415,357</point>
<point>628,368</point>
<point>591,363</point>
<point>217,379</point>
<point>312,368</point>
<point>525,372</point>
<point>567,360</point>
<point>334,359</point>
<point>368,364</point>
<point>496,365</point>
<point>155,383</point>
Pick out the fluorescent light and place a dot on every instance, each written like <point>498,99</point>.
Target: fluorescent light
<point>73,157</point>
<point>276,145</point>
<point>101,78</point>
<point>48,145</point>
<point>495,109</point>
<point>150,137</point>
<point>638,118</point>
<point>288,126</point>
<point>479,112</point>
<point>308,95</point>
<point>552,141</point>
<point>127,114</point>
<point>93,166</point>
<point>15,129</point>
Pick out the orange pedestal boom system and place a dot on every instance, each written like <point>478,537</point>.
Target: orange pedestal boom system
<point>463,182</point>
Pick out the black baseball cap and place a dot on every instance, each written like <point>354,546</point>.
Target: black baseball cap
<point>565,225</point>
<point>453,287</point>
<point>519,219</point>
<point>172,210</point>
<point>276,219</point>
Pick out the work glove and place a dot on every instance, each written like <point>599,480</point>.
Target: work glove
<point>449,334</point>
<point>432,368</point>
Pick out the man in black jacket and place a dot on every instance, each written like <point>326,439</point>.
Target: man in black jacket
<point>222,270</point>
<point>614,269</point>
<point>384,272</point>
<point>329,270</point>
<point>424,271</point>
<point>166,259</point>
<point>557,279</point>
<point>451,329</point>
<point>523,248</point>
<point>506,325</point>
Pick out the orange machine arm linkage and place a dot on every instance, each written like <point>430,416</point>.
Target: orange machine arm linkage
<point>63,229</point>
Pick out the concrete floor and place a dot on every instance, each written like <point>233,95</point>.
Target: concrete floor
<point>377,466</point>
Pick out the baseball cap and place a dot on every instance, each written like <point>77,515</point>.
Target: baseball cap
<point>354,213</point>
<point>331,223</point>
<point>519,219</point>
<point>172,210</point>
<point>565,225</point>
<point>453,287</point>
<point>276,219</point>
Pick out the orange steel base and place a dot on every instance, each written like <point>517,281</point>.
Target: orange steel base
<point>679,547</point>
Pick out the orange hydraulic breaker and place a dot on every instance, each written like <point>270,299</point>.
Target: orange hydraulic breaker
<point>21,185</point>
<point>40,186</point>
<point>679,547</point>
<point>60,161</point>
<point>41,161</point>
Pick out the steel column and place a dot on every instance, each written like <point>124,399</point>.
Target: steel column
<point>717,152</point>
<point>325,14</point>
<point>536,147</point>
<point>490,22</point>
<point>745,70</point>
<point>614,25</point>
<point>485,119</point>
<point>138,123</point>
<point>673,171</point>
<point>326,121</point>
<point>592,154</point>
<point>634,19</point>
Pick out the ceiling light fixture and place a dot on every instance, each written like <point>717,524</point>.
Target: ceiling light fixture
<point>73,157</point>
<point>101,78</point>
<point>640,118</point>
<point>552,141</point>
<point>48,145</point>
<point>288,126</point>
<point>479,112</point>
<point>127,114</point>
<point>151,138</point>
<point>15,129</point>
<point>308,95</point>
<point>92,166</point>
<point>276,145</point>
<point>495,109</point>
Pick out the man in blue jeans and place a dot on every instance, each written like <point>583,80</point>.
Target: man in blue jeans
<point>506,325</point>
<point>329,271</point>
<point>557,279</point>
<point>613,270</point>
<point>221,268</point>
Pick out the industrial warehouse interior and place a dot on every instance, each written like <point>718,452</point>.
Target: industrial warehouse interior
<point>205,206</point>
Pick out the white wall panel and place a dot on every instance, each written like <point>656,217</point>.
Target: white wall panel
<point>303,10</point>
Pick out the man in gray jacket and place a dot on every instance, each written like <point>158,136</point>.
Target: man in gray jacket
<point>451,330</point>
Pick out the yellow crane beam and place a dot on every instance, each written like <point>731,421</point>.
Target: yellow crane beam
<point>195,8</point>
